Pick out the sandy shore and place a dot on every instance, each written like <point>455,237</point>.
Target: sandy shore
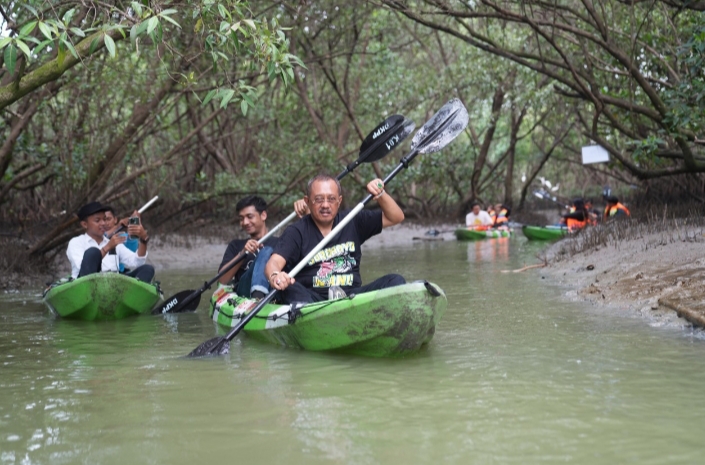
<point>658,275</point>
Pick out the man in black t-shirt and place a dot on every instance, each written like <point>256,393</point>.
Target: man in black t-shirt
<point>248,276</point>
<point>337,264</point>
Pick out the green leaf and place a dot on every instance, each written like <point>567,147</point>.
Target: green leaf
<point>169,11</point>
<point>152,24</point>
<point>250,23</point>
<point>31,9</point>
<point>11,58</point>
<point>94,45</point>
<point>78,32</point>
<point>223,12</point>
<point>170,20</point>
<point>61,55</point>
<point>243,107</point>
<point>28,28</point>
<point>109,44</point>
<point>4,42</point>
<point>44,28</point>
<point>68,16</point>
<point>209,96</point>
<point>69,46</point>
<point>227,97</point>
<point>38,49</point>
<point>137,7</point>
<point>22,46</point>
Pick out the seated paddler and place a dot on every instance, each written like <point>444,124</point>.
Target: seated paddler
<point>337,266</point>
<point>247,277</point>
<point>92,252</point>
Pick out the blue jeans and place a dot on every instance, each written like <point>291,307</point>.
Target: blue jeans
<point>254,278</point>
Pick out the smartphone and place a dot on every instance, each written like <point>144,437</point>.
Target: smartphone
<point>134,220</point>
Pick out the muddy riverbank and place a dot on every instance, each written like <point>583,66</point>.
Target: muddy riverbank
<point>653,270</point>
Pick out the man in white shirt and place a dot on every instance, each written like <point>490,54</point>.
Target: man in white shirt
<point>92,252</point>
<point>477,218</point>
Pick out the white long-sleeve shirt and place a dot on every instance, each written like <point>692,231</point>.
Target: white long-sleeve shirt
<point>79,244</point>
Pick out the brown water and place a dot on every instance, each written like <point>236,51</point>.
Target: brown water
<point>515,374</point>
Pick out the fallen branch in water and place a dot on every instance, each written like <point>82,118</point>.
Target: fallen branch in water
<point>538,265</point>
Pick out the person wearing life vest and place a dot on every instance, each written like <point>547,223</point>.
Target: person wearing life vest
<point>593,214</point>
<point>578,218</point>
<point>501,216</point>
<point>614,209</point>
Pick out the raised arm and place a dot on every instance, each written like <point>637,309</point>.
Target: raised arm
<point>391,213</point>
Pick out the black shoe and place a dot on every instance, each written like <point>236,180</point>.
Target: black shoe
<point>257,295</point>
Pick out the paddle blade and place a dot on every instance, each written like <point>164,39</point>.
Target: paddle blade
<point>442,128</point>
<point>215,346</point>
<point>384,138</point>
<point>179,303</point>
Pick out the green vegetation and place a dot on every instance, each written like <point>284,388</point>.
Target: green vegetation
<point>204,101</point>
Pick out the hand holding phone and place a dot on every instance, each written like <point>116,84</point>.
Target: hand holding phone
<point>134,220</point>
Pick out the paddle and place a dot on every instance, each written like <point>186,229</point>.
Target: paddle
<point>438,132</point>
<point>380,142</point>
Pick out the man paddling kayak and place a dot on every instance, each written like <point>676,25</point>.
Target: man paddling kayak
<point>248,277</point>
<point>477,218</point>
<point>339,263</point>
<point>91,252</point>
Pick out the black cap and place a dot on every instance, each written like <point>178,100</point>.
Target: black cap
<point>612,199</point>
<point>90,209</point>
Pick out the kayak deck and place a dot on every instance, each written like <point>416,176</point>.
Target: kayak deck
<point>463,234</point>
<point>101,296</point>
<point>388,322</point>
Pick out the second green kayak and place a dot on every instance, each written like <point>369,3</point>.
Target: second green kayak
<point>475,235</point>
<point>101,296</point>
<point>541,233</point>
<point>388,322</point>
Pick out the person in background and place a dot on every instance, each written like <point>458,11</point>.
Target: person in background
<point>593,213</point>
<point>477,218</point>
<point>91,252</point>
<point>501,217</point>
<point>113,224</point>
<point>614,209</point>
<point>335,270</point>
<point>578,217</point>
<point>248,276</point>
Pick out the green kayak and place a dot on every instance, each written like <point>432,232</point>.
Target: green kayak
<point>101,296</point>
<point>476,235</point>
<point>541,233</point>
<point>389,322</point>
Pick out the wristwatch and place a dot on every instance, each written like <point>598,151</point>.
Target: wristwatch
<point>145,240</point>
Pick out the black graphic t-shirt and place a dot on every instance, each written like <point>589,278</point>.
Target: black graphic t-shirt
<point>338,263</point>
<point>234,248</point>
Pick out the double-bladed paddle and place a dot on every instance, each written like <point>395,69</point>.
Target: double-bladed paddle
<point>380,142</point>
<point>438,132</point>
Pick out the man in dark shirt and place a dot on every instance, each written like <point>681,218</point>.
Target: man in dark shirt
<point>248,276</point>
<point>338,264</point>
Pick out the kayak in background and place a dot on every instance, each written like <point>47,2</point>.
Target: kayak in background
<point>387,322</point>
<point>478,234</point>
<point>101,296</point>
<point>544,233</point>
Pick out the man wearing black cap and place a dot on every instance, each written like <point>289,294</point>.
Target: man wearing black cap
<point>92,252</point>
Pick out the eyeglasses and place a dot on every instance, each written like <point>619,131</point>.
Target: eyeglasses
<point>330,199</point>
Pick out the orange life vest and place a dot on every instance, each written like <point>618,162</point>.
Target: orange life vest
<point>501,218</point>
<point>574,224</point>
<point>612,211</point>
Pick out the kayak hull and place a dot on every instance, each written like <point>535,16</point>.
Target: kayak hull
<point>389,322</point>
<point>101,296</point>
<point>477,235</point>
<point>539,233</point>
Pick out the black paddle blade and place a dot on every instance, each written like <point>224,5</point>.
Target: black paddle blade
<point>178,303</point>
<point>383,139</point>
<point>442,128</point>
<point>215,346</point>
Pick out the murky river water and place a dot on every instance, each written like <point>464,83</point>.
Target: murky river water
<point>515,374</point>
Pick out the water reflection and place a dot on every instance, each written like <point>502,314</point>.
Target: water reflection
<point>515,373</point>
